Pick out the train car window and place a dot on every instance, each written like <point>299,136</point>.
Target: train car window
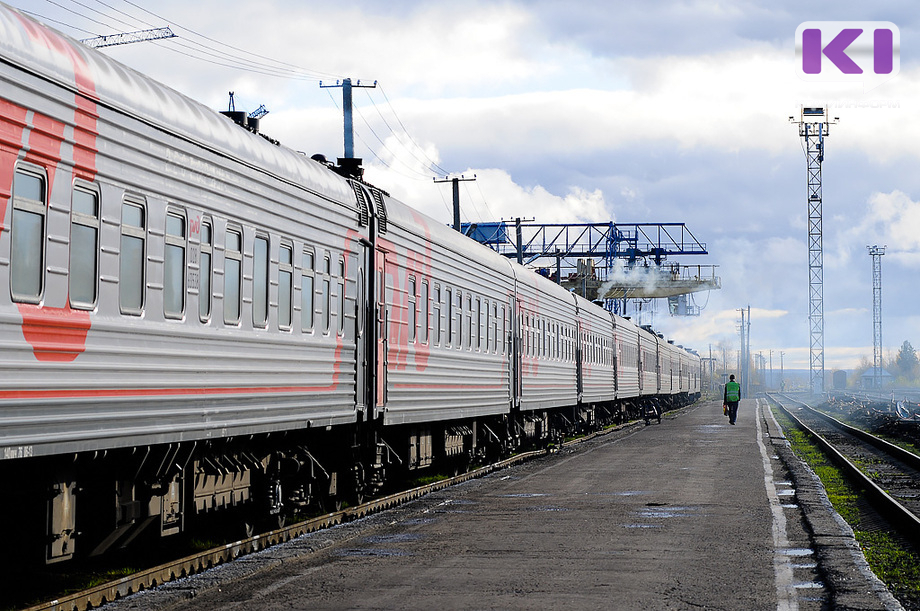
<point>436,316</point>
<point>504,337</point>
<point>423,313</point>
<point>467,337</point>
<point>483,325</point>
<point>495,338</point>
<point>531,336</point>
<point>307,292</point>
<point>326,298</point>
<point>544,339</point>
<point>449,340</point>
<point>410,307</point>
<point>84,247</point>
<point>174,266</point>
<point>233,275</point>
<point>489,339</point>
<point>473,316</point>
<point>340,299</point>
<point>285,286</point>
<point>131,265</point>
<point>204,287</point>
<point>488,330</point>
<point>260,265</point>
<point>28,236</point>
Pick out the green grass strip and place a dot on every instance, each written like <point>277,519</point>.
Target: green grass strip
<point>893,561</point>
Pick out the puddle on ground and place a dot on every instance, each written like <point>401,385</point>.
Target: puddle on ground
<point>796,551</point>
<point>546,508</point>
<point>655,510</point>
<point>522,495</point>
<point>805,565</point>
<point>642,526</point>
<point>394,538</point>
<point>808,585</point>
<point>367,552</point>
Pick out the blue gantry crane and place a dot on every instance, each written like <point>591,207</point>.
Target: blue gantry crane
<point>608,262</point>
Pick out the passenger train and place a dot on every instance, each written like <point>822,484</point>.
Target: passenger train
<point>196,320</point>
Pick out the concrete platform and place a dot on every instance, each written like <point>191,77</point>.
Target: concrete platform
<point>690,514</point>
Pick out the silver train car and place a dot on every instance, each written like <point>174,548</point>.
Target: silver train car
<point>197,321</point>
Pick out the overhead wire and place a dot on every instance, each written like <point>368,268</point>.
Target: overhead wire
<point>215,52</point>
<point>386,147</point>
<point>317,74</point>
<point>485,203</point>
<point>432,162</point>
<point>46,19</point>
<point>426,161</point>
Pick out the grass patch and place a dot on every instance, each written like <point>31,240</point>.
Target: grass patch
<point>104,577</point>
<point>428,479</point>
<point>894,562</point>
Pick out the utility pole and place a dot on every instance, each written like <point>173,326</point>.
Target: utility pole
<point>814,126</point>
<point>456,182</point>
<point>519,240</point>
<point>782,373</point>
<point>876,253</point>
<point>742,357</point>
<point>744,360</point>
<point>349,130</point>
<point>747,362</point>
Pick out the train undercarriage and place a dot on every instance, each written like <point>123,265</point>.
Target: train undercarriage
<point>57,509</point>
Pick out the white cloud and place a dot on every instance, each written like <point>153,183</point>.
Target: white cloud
<point>891,220</point>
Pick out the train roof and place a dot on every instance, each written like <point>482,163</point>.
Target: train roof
<point>68,63</point>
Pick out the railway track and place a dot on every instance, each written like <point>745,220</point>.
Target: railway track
<point>889,475</point>
<point>95,596</point>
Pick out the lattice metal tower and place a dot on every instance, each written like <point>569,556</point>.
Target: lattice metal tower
<point>876,253</point>
<point>814,127</point>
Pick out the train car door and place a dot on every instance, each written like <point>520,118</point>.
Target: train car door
<point>641,365</point>
<point>614,356</point>
<point>579,360</point>
<point>363,398</point>
<point>381,268</point>
<point>515,349</point>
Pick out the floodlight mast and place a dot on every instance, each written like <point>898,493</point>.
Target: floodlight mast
<point>814,127</point>
<point>876,253</point>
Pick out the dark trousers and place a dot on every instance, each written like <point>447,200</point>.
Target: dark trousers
<point>732,411</point>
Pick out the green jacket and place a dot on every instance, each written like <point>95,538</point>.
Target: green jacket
<point>732,392</point>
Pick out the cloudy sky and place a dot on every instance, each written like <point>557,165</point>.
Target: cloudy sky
<point>590,111</point>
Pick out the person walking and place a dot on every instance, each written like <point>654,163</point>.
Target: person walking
<point>731,398</point>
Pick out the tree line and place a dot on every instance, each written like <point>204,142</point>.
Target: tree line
<point>904,367</point>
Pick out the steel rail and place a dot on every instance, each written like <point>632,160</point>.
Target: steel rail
<point>907,522</point>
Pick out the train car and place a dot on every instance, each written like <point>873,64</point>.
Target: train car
<point>626,337</point>
<point>442,335</point>
<point>667,368</point>
<point>649,366</point>
<point>598,373</point>
<point>200,320</point>
<point>544,336</point>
